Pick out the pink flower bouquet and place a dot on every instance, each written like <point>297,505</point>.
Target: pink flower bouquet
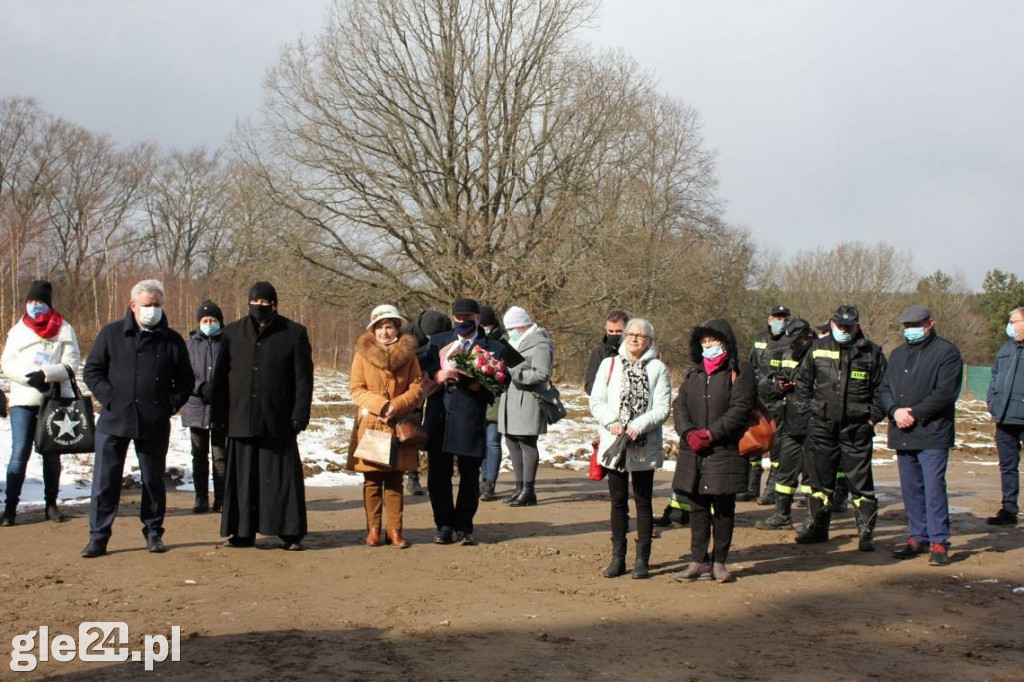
<point>483,367</point>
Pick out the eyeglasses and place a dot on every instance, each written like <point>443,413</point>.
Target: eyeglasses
<point>637,337</point>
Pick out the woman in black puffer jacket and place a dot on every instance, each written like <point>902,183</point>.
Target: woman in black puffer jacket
<point>711,413</point>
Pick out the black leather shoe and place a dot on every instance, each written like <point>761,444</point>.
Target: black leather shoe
<point>155,545</point>
<point>443,536</point>
<point>53,513</point>
<point>94,549</point>
<point>217,507</point>
<point>7,519</point>
<point>1002,518</point>
<point>240,542</point>
<point>467,540</point>
<point>910,550</point>
<point>293,547</point>
<point>201,507</point>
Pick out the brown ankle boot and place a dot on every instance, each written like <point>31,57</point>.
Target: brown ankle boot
<point>395,536</point>
<point>373,538</point>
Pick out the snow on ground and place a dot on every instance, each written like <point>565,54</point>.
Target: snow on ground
<point>324,445</point>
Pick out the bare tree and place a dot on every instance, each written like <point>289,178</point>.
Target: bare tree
<point>184,202</point>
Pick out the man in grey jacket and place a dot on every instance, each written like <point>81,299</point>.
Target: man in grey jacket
<point>1006,403</point>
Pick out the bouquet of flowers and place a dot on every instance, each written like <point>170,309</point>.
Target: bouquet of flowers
<point>483,367</point>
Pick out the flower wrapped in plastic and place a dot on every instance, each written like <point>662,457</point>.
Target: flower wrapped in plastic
<point>481,366</point>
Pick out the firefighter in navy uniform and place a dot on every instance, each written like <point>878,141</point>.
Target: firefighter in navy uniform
<point>837,388</point>
<point>765,357</point>
<point>791,425</point>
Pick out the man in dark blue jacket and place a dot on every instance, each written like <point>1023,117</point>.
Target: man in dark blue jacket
<point>1006,403</point>
<point>918,394</point>
<point>139,371</point>
<point>457,425</point>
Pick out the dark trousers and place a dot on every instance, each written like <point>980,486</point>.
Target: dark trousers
<point>108,473</point>
<point>1008,440</point>
<point>458,514</point>
<point>264,490</point>
<point>205,442</point>
<point>791,455</point>
<point>828,448</point>
<point>923,484</point>
<point>703,522</point>
<point>643,493</point>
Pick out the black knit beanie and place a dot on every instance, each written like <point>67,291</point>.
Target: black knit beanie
<point>209,309</point>
<point>40,290</point>
<point>263,290</point>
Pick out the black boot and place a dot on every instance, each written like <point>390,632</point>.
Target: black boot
<point>487,491</point>
<point>866,513</point>
<point>412,483</point>
<point>618,565</point>
<point>782,518</point>
<point>753,485</point>
<point>527,498</point>
<point>7,518</point>
<point>768,496</point>
<point>820,515</point>
<point>53,513</point>
<point>516,493</point>
<point>641,569</point>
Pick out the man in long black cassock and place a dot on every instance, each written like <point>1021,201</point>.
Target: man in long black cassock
<point>262,392</point>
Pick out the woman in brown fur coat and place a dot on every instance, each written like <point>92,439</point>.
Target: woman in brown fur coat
<point>385,385</point>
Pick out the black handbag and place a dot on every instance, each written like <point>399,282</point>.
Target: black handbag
<point>65,426</point>
<point>551,404</point>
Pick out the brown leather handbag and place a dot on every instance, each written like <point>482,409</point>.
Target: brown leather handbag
<point>409,432</point>
<point>760,436</point>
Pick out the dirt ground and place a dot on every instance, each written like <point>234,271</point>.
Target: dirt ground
<point>529,602</point>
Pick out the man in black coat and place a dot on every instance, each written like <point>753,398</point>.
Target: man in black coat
<point>138,369</point>
<point>918,394</point>
<point>457,418</point>
<point>614,328</point>
<point>262,393</point>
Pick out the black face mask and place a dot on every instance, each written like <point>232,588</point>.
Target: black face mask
<point>261,313</point>
<point>465,329</point>
<point>614,340</point>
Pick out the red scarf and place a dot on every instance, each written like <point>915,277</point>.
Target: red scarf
<point>710,366</point>
<point>46,325</point>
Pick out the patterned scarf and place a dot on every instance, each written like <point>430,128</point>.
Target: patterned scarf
<point>635,393</point>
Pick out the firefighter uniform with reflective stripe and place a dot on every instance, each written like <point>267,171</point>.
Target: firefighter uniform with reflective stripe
<point>837,390</point>
<point>765,357</point>
<point>790,422</point>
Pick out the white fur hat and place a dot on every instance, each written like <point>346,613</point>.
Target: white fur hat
<point>385,312</point>
<point>516,317</point>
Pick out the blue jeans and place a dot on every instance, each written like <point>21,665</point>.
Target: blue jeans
<point>1008,440</point>
<point>492,461</point>
<point>23,430</point>
<point>923,484</point>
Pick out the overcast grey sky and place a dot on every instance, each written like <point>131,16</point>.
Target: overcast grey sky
<point>832,121</point>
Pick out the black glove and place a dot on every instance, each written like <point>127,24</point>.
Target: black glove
<point>37,380</point>
<point>298,426</point>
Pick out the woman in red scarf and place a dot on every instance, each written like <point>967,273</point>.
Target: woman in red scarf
<point>711,414</point>
<point>38,348</point>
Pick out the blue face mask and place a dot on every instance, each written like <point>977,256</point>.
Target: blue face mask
<point>840,336</point>
<point>777,326</point>
<point>210,329</point>
<point>36,309</point>
<point>712,352</point>
<point>1010,330</point>
<point>913,334</point>
<point>515,335</point>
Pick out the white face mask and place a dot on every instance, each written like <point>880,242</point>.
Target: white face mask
<point>150,315</point>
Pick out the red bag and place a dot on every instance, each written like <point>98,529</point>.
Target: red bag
<point>597,472</point>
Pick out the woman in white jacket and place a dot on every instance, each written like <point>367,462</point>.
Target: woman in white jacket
<point>38,348</point>
<point>630,400</point>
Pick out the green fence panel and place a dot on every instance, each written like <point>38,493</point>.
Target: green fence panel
<point>976,380</point>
